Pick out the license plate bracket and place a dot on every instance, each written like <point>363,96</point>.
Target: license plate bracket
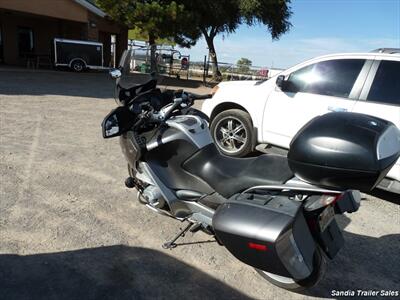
<point>326,217</point>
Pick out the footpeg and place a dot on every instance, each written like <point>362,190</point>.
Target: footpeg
<point>195,228</point>
<point>130,182</point>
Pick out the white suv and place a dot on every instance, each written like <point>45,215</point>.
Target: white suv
<point>246,113</point>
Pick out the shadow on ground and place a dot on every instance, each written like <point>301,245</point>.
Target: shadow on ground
<point>122,272</point>
<point>388,196</point>
<point>87,84</point>
<point>364,263</point>
<point>115,272</point>
<point>44,82</point>
<point>173,83</point>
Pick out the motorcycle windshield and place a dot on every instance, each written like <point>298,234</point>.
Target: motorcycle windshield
<point>123,82</point>
<point>132,82</point>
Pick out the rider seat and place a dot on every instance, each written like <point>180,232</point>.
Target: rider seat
<point>228,175</point>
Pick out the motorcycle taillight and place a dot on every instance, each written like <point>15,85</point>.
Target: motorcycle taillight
<point>316,202</point>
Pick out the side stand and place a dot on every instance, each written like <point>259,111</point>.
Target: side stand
<point>171,244</point>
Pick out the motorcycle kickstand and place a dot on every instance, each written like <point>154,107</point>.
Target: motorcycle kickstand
<point>171,244</point>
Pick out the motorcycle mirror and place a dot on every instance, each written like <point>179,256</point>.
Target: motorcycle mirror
<point>117,122</point>
<point>110,126</point>
<point>115,73</point>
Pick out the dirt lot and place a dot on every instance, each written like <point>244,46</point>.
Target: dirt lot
<point>69,229</point>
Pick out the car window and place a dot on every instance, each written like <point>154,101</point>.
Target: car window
<point>331,78</point>
<point>386,85</point>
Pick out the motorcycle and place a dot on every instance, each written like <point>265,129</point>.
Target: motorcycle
<point>274,213</point>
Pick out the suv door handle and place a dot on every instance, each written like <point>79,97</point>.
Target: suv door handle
<point>337,109</point>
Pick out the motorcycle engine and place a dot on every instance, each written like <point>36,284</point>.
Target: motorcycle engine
<point>152,195</point>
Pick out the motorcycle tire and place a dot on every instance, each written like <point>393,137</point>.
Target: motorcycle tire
<point>297,286</point>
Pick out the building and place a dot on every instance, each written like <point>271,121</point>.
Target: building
<point>29,27</point>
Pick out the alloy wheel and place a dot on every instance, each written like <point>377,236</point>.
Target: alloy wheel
<point>230,134</point>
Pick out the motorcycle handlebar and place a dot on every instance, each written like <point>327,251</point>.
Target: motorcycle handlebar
<point>199,97</point>
<point>186,98</point>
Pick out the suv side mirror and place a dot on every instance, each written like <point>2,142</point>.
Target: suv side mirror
<point>280,81</point>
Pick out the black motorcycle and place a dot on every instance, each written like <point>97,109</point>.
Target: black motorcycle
<point>274,213</point>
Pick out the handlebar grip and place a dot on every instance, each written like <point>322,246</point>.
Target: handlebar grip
<point>200,97</point>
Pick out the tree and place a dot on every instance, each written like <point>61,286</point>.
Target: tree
<point>214,17</point>
<point>157,19</point>
<point>186,20</point>
<point>139,35</point>
<point>244,65</point>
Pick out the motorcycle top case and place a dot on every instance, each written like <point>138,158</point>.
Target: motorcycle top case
<point>344,150</point>
<point>272,236</point>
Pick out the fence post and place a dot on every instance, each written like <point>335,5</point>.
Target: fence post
<point>188,68</point>
<point>204,69</point>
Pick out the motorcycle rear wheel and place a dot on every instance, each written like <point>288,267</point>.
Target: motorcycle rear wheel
<point>297,286</point>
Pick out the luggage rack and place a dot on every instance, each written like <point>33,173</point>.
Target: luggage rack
<point>387,50</point>
<point>290,188</point>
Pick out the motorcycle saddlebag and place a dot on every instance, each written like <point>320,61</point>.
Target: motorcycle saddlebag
<point>344,150</point>
<point>272,236</point>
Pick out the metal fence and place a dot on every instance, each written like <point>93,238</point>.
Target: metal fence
<point>231,72</point>
<point>171,62</point>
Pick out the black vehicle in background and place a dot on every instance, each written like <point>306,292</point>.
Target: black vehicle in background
<point>78,55</point>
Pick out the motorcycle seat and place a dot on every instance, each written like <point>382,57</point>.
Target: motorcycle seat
<point>228,175</point>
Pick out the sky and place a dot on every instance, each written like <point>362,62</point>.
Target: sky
<point>319,27</point>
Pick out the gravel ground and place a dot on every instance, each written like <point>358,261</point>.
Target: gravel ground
<point>69,229</point>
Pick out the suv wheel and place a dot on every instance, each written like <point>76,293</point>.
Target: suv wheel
<point>232,131</point>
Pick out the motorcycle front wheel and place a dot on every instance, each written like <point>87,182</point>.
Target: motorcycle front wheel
<point>290,284</point>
